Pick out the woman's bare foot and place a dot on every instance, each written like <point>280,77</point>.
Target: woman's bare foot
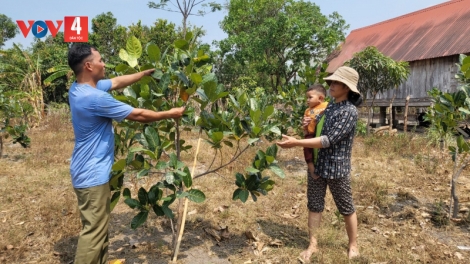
<point>353,252</point>
<point>306,254</point>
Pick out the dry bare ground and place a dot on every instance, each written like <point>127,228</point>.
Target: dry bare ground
<point>400,186</point>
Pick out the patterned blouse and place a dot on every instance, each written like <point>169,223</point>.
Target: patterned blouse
<point>334,158</point>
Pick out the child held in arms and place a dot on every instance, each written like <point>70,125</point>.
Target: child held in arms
<point>316,106</point>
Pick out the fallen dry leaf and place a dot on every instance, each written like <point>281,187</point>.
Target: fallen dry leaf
<point>213,233</point>
<point>258,245</point>
<point>276,242</point>
<point>224,233</point>
<point>10,247</point>
<point>117,261</point>
<point>289,216</point>
<point>192,212</point>
<point>458,255</point>
<point>249,234</point>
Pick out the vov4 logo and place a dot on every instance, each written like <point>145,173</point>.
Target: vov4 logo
<point>75,28</point>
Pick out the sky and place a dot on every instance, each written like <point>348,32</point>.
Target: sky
<point>357,13</point>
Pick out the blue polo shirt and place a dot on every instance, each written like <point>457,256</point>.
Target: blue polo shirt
<point>93,111</point>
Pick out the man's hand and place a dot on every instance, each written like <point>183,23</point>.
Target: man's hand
<point>148,72</point>
<point>176,112</point>
<point>288,142</point>
<point>126,80</point>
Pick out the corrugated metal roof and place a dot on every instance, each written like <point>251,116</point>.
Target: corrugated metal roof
<point>437,31</point>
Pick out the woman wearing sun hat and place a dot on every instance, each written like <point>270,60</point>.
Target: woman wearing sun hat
<point>333,165</point>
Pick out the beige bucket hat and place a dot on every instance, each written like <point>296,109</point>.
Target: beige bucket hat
<point>346,75</point>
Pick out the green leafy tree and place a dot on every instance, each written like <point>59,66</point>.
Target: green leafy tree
<point>377,73</point>
<point>13,110</point>
<point>272,40</point>
<point>183,77</point>
<point>107,36</point>
<point>447,112</point>
<point>185,8</point>
<point>55,72</point>
<point>20,70</point>
<point>8,29</point>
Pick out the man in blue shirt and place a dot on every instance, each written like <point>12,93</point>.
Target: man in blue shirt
<point>93,110</point>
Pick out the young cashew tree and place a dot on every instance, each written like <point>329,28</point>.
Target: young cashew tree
<point>378,73</point>
<point>448,111</point>
<point>183,77</point>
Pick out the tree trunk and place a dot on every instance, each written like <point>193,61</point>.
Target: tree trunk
<point>405,121</point>
<point>369,113</point>
<point>455,198</point>
<point>390,118</point>
<point>1,145</point>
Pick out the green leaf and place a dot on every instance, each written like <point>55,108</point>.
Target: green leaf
<point>196,196</point>
<point>217,136</point>
<point>121,68</point>
<point>143,196</point>
<point>270,159</point>
<point>157,74</point>
<point>278,171</point>
<point>269,110</point>
<point>181,194</point>
<point>133,47</point>
<point>243,195</point>
<point>272,150</point>
<point>161,165</point>
<point>173,161</point>
<point>129,92</point>
<point>189,36</point>
<point>126,193</point>
<point>153,195</point>
<point>228,143</point>
<point>152,137</point>
<point>240,179</point>
<point>236,194</point>
<point>139,219</point>
<point>142,173</point>
<point>187,179</point>
<point>167,211</point>
<point>123,55</point>
<point>181,44</point>
<point>252,140</point>
<point>267,185</point>
<point>467,74</point>
<point>114,199</point>
<point>119,165</point>
<point>256,130</point>
<point>466,60</point>
<point>132,203</point>
<point>182,77</point>
<point>154,52</point>
<point>252,170</point>
<point>196,78</point>
<point>275,130</point>
<point>158,210</point>
<point>169,177</point>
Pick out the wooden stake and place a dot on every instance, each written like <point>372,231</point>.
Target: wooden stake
<point>405,122</point>
<point>181,228</point>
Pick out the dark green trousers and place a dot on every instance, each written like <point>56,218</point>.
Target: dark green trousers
<point>93,203</point>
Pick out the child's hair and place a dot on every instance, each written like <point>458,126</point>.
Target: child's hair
<point>317,88</point>
<point>354,98</point>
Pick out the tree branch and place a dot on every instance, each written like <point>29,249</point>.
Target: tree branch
<point>226,164</point>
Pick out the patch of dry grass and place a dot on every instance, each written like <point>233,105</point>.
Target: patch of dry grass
<point>400,186</point>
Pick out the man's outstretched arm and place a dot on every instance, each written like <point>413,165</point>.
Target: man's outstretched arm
<point>126,80</point>
<point>147,116</point>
